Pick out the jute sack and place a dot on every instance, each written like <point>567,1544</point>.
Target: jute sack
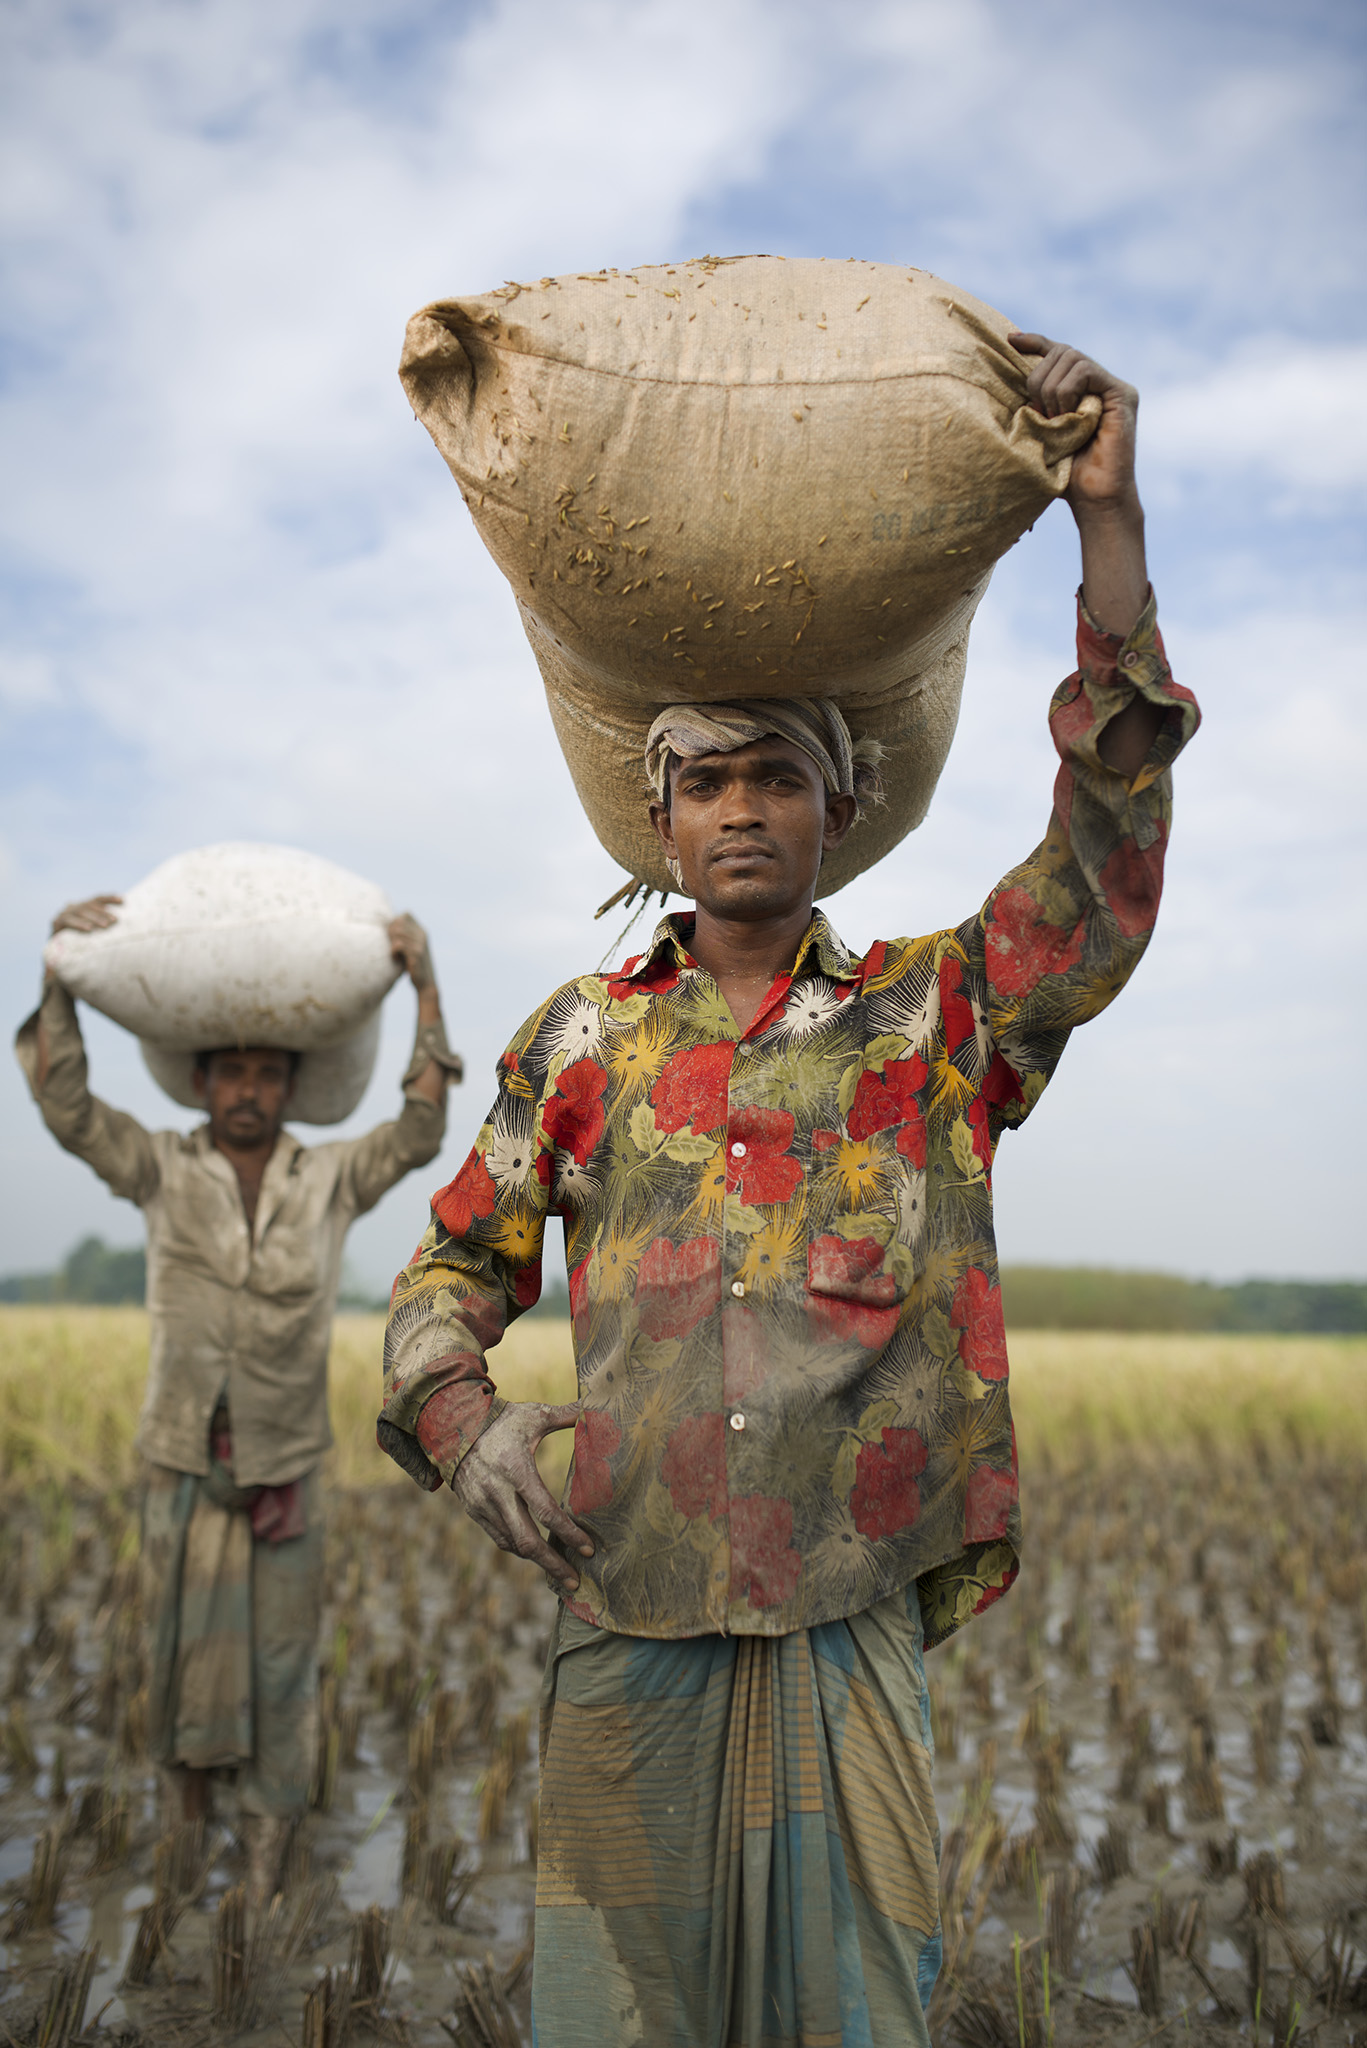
<point>741,477</point>
<point>238,945</point>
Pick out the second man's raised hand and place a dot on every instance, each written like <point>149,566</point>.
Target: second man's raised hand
<point>408,944</point>
<point>93,914</point>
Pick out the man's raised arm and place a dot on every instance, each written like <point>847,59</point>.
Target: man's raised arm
<point>1061,934</point>
<point>52,1054</point>
<point>384,1155</point>
<point>1104,498</point>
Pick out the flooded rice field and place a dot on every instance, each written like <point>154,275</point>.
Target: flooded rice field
<point>1151,1770</point>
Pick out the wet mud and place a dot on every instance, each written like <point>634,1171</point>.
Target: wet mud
<point>1151,1772</point>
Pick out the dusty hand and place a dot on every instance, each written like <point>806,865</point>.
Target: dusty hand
<point>1103,471</point>
<point>93,915</point>
<point>408,944</point>
<point>499,1487</point>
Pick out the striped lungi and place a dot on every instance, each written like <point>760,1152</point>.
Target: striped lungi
<point>738,1844</point>
<point>232,1629</point>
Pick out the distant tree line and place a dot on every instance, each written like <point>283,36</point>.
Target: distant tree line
<point>1034,1297</point>
<point>1091,1298</point>
<point>94,1273</point>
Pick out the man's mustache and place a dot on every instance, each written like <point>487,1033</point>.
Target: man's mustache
<point>742,842</point>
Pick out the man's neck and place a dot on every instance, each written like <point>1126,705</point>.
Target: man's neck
<point>249,1159</point>
<point>249,1163</point>
<point>744,956</point>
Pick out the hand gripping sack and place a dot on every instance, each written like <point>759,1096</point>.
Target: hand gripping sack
<point>239,945</point>
<point>741,477</point>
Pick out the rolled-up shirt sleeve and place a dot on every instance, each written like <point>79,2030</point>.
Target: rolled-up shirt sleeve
<point>110,1141</point>
<point>1061,934</point>
<point>475,1270</point>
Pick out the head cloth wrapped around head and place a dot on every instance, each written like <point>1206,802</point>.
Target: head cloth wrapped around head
<point>848,767</point>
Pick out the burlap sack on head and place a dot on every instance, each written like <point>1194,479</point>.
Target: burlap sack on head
<point>741,477</point>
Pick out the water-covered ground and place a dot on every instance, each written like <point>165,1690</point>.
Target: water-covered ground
<point>1152,1765</point>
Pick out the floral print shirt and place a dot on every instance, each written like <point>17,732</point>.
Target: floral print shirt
<point>783,1278</point>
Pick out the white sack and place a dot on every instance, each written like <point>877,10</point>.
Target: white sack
<point>327,1086</point>
<point>243,944</point>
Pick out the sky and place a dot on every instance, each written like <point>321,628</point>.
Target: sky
<point>240,597</point>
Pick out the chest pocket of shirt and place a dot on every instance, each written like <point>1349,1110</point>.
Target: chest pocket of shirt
<point>852,1269</point>
<point>852,1296</point>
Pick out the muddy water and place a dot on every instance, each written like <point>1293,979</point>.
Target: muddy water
<point>401,1583</point>
<point>429,1631</point>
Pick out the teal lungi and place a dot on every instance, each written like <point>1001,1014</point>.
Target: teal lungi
<point>738,1842</point>
<point>232,1627</point>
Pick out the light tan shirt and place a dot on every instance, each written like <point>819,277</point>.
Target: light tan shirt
<point>246,1312</point>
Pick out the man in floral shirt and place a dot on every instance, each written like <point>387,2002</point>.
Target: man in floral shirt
<point>793,1459</point>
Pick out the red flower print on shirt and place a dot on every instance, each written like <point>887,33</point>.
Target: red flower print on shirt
<point>955,1007</point>
<point>677,1285</point>
<point>823,1141</point>
<point>573,1118</point>
<point>470,1194</point>
<point>765,1568</point>
<point>1133,880</point>
<point>977,1313</point>
<point>977,1118</point>
<point>886,1498</point>
<point>527,1284</point>
<point>989,1499</point>
<point>1071,717</point>
<point>1022,947</point>
<point>992,1594</point>
<point>692,1088</point>
<point>880,1102</point>
<point>904,1080</point>
<point>840,1265</point>
<point>911,1142</point>
<point>765,1171</point>
<point>872,965</point>
<point>1001,1085</point>
<point>849,1296</point>
<point>874,1108</point>
<point>657,979</point>
<point>596,1437</point>
<point>620,985</point>
<point>694,1466</point>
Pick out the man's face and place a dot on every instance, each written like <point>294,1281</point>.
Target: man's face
<point>749,828</point>
<point>245,1094</point>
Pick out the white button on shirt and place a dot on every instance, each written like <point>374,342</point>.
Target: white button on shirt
<point>737,1422</point>
<point>738,1287</point>
<point>738,1150</point>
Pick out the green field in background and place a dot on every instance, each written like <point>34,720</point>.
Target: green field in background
<point>71,1383</point>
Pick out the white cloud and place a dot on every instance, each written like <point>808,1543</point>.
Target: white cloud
<point>251,603</point>
<point>26,681</point>
<point>1158,176</point>
<point>216,257</point>
<point>1295,416</point>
